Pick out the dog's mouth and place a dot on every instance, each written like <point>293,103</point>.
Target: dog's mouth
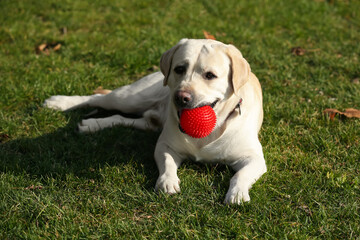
<point>212,105</point>
<point>179,112</point>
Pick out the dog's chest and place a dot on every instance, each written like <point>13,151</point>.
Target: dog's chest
<point>216,151</point>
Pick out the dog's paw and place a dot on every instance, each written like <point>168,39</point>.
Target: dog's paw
<point>237,196</point>
<point>88,126</point>
<point>168,184</point>
<point>59,102</point>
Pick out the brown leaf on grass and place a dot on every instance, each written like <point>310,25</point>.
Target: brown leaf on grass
<point>32,187</point>
<point>57,47</point>
<point>349,113</point>
<point>47,47</point>
<point>100,90</point>
<point>41,47</point>
<point>207,35</point>
<point>298,51</point>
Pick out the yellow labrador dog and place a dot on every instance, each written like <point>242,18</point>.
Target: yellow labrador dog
<point>193,73</point>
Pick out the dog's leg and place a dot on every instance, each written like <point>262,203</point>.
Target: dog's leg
<point>96,124</point>
<point>247,172</point>
<point>137,97</point>
<point>65,103</point>
<point>134,98</point>
<point>167,162</point>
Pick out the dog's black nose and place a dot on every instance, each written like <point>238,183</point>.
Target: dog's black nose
<point>183,99</point>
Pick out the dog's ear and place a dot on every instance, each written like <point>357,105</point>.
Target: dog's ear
<point>166,60</point>
<point>240,68</point>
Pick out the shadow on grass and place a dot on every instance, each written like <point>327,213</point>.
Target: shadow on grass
<point>65,151</point>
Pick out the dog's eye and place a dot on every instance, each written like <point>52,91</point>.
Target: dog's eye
<point>180,70</point>
<point>210,75</point>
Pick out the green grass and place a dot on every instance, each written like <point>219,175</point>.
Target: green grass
<point>57,184</point>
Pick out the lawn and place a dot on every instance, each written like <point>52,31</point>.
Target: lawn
<point>58,184</point>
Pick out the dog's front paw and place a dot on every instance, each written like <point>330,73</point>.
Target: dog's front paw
<point>237,195</point>
<point>88,125</point>
<point>168,184</point>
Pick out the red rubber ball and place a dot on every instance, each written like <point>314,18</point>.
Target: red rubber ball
<point>198,122</point>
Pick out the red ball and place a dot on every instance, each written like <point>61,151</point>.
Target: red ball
<point>198,122</point>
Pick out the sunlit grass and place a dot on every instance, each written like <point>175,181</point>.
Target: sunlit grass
<point>55,183</point>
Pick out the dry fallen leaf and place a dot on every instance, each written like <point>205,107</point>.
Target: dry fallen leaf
<point>207,35</point>
<point>298,51</point>
<point>41,47</point>
<point>32,187</point>
<point>57,47</point>
<point>349,113</point>
<point>100,90</point>
<point>46,47</point>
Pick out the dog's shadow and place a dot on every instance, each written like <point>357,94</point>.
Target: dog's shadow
<point>66,151</point>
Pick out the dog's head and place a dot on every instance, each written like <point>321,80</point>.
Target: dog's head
<point>204,72</point>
